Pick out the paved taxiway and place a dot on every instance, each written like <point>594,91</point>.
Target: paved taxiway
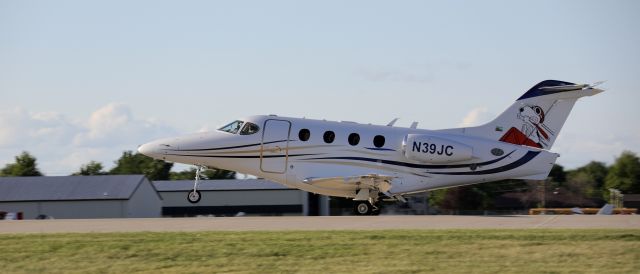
<point>320,223</point>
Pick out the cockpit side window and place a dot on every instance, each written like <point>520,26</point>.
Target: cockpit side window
<point>232,127</point>
<point>249,128</point>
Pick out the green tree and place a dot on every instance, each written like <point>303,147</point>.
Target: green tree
<point>474,197</point>
<point>209,173</point>
<point>588,181</point>
<point>437,197</point>
<point>624,174</point>
<point>580,189</point>
<point>466,198</point>
<point>25,165</point>
<point>557,174</point>
<point>136,163</point>
<point>597,170</point>
<point>91,168</point>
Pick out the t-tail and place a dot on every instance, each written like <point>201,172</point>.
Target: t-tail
<point>535,119</point>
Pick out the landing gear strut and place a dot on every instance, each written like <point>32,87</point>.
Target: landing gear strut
<point>194,195</point>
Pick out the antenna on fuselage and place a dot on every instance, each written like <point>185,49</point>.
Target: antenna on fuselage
<point>390,124</point>
<point>414,125</point>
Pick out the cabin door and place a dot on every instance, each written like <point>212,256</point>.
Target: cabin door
<point>274,152</point>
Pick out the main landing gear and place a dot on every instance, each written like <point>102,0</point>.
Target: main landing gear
<point>194,195</point>
<point>366,208</point>
<point>366,202</point>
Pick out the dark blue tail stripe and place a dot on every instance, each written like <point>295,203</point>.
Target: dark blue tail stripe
<point>536,90</point>
<point>525,159</point>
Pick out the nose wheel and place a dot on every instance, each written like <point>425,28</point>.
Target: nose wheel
<point>194,195</point>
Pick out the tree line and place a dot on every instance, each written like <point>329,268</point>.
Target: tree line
<point>585,186</point>
<point>129,163</point>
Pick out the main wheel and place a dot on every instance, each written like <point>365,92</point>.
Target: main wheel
<point>362,208</point>
<point>194,196</point>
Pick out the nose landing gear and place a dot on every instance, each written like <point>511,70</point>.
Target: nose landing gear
<point>194,195</point>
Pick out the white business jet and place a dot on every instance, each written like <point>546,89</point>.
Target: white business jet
<point>368,162</point>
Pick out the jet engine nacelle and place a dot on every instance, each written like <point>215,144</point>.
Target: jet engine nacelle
<point>431,149</point>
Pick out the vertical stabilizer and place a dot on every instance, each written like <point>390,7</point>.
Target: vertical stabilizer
<point>535,119</point>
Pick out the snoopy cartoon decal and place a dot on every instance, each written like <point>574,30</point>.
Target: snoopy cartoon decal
<point>533,131</point>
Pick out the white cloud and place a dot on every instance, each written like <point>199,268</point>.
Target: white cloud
<point>62,145</point>
<point>20,127</point>
<point>114,124</point>
<point>476,116</point>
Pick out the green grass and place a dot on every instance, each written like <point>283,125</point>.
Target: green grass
<point>402,251</point>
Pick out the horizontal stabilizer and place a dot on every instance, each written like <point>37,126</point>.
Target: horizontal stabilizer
<point>565,88</point>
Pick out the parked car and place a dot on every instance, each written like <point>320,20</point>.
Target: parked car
<point>11,216</point>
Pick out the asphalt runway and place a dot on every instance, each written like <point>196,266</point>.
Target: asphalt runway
<point>320,223</point>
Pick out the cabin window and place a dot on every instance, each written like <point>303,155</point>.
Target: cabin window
<point>354,139</point>
<point>378,141</point>
<point>304,135</point>
<point>249,128</point>
<point>329,136</point>
<point>232,127</point>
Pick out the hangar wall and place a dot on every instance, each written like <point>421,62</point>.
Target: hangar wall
<point>237,197</point>
<point>144,203</point>
<point>133,196</point>
<point>256,197</point>
<point>80,197</point>
<point>68,209</point>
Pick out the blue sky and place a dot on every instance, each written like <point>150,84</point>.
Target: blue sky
<point>85,80</point>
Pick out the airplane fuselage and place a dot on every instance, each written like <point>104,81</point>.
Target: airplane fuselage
<point>364,161</point>
<point>276,152</point>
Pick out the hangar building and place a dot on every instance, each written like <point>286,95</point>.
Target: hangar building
<point>70,197</point>
<point>231,197</point>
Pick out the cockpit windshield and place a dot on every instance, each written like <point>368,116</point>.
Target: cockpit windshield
<point>237,126</point>
<point>249,128</point>
<point>232,127</point>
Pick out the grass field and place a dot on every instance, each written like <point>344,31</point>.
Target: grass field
<point>403,251</point>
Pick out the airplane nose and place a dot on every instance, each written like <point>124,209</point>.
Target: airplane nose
<point>145,149</point>
<point>150,149</point>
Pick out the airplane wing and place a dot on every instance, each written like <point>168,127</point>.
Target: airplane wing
<point>362,185</point>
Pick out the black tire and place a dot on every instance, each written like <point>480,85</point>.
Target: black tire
<point>194,197</point>
<point>362,208</point>
<point>376,212</point>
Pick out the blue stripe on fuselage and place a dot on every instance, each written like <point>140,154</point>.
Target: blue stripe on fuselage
<point>411,165</point>
<point>221,148</point>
